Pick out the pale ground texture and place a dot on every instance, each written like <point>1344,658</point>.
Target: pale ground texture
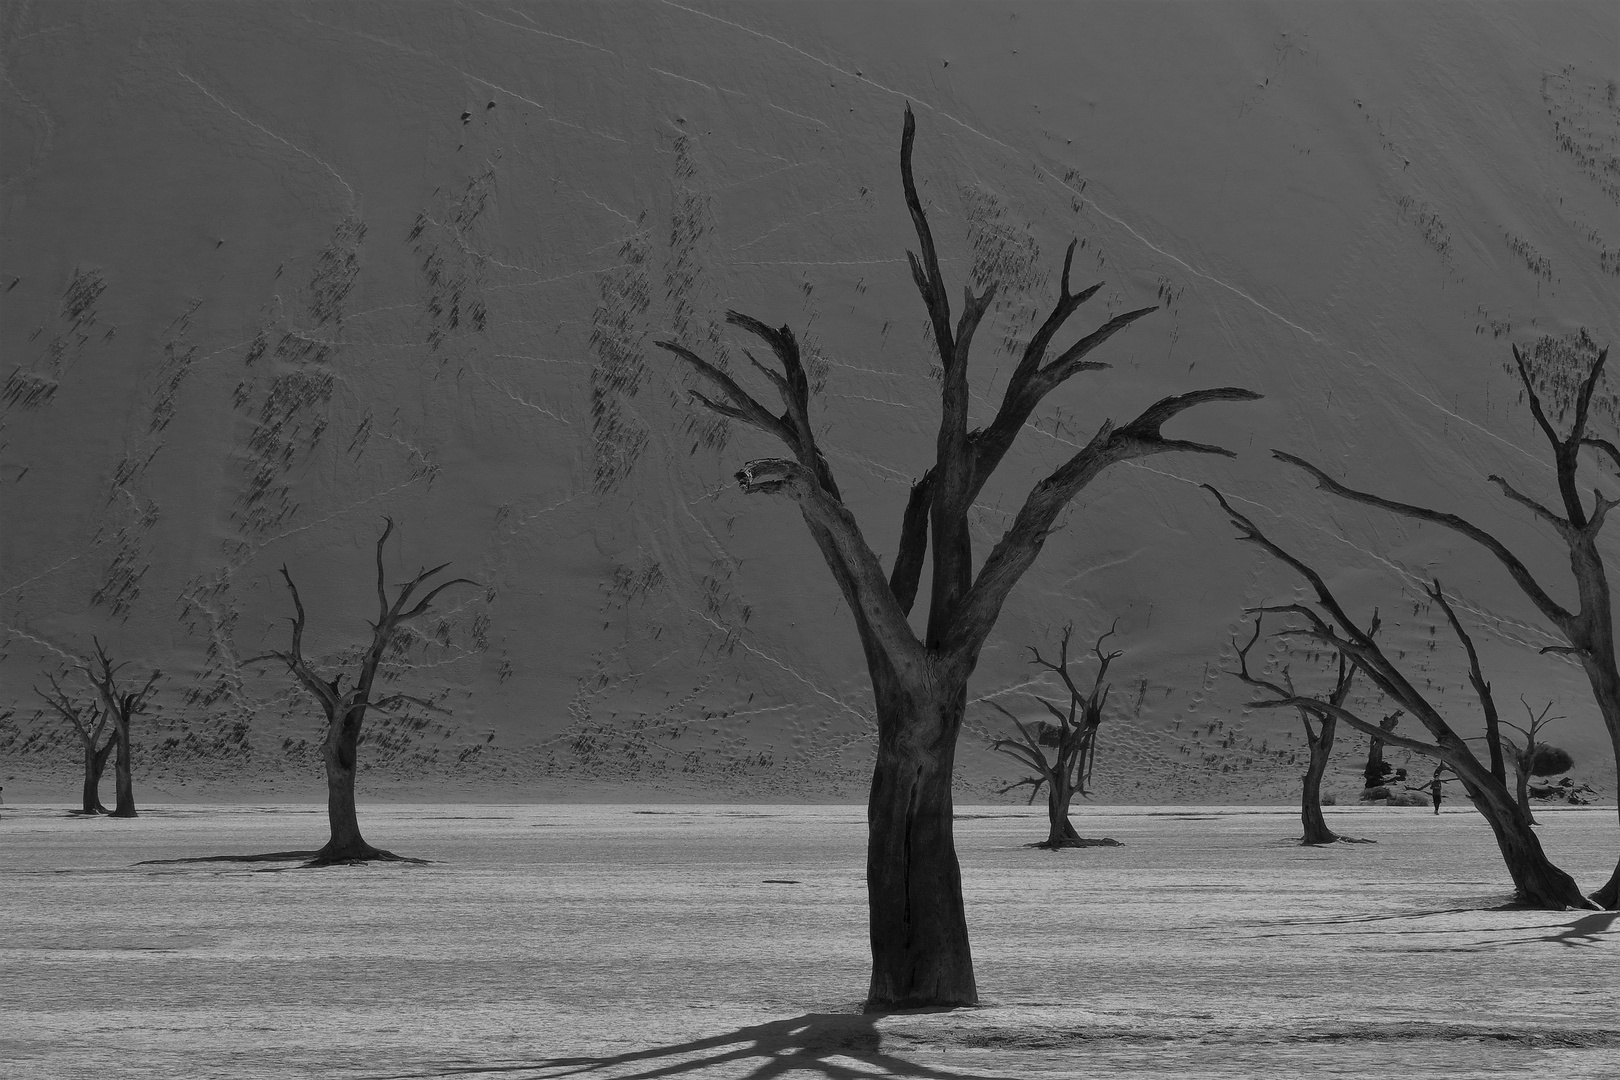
<point>704,941</point>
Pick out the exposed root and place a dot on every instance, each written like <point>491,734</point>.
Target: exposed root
<point>1336,839</point>
<point>356,855</point>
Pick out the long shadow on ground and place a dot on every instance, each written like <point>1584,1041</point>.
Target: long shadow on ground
<point>307,860</point>
<point>802,1046</point>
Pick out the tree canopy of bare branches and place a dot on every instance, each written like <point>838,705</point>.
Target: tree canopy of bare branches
<point>1537,882</point>
<point>1588,630</point>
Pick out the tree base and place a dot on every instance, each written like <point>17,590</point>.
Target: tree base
<point>1608,897</point>
<point>1077,842</point>
<point>1335,839</point>
<point>355,854</point>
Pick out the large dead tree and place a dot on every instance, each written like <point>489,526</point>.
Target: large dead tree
<point>1589,630</point>
<point>1319,738</point>
<point>1072,740</point>
<point>1536,881</point>
<point>89,720</point>
<point>920,952</point>
<point>121,707</point>
<point>346,709</point>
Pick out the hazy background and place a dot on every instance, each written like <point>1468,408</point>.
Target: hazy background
<point>270,272</point>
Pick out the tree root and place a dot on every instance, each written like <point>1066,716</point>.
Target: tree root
<point>356,855</point>
<point>1077,842</point>
<point>1336,839</point>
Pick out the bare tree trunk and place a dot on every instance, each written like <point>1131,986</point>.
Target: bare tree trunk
<point>341,756</point>
<point>1374,774</point>
<point>1601,670</point>
<point>1062,831</point>
<point>95,763</point>
<point>124,784</point>
<point>920,953</point>
<point>1536,881</point>
<point>1521,785</point>
<point>1310,797</point>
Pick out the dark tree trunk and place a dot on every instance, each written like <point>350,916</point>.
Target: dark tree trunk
<point>1604,675</point>
<point>341,754</point>
<point>920,954</point>
<point>124,784</point>
<point>95,763</point>
<point>1521,788</point>
<point>1376,771</point>
<point>1310,795</point>
<point>1536,881</point>
<point>1057,812</point>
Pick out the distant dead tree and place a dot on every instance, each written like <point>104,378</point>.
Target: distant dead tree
<point>920,953</point>
<point>346,709</point>
<point>1318,738</point>
<point>1590,629</point>
<point>120,706</point>
<point>89,720</point>
<point>1534,758</point>
<point>1073,740</point>
<point>1537,882</point>
<point>1377,771</point>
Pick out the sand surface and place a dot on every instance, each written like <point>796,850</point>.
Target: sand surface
<point>709,941</point>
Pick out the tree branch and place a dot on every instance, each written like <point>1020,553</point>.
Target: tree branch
<point>1603,446</point>
<point>743,405</point>
<point>908,559</point>
<point>1023,540</point>
<point>1563,526</point>
<point>1482,689</point>
<point>870,589</point>
<point>930,282</point>
<point>1069,361</point>
<point>1516,569</point>
<point>382,596</point>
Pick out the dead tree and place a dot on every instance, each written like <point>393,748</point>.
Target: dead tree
<point>89,720</point>
<point>1525,758</point>
<point>1073,740</point>
<point>120,706</point>
<point>1588,630</point>
<point>346,709</point>
<point>920,953</point>
<point>1536,881</point>
<point>1377,771</point>
<point>1318,738</point>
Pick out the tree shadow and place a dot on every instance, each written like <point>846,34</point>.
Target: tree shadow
<point>1586,931</point>
<point>307,860</point>
<point>802,1046</point>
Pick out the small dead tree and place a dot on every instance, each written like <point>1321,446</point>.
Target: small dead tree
<point>120,706</point>
<point>346,709</point>
<point>1589,630</point>
<point>1318,738</point>
<point>89,720</point>
<point>1536,881</point>
<point>1073,740</point>
<point>918,929</point>
<point>1376,773</point>
<point>1532,759</point>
